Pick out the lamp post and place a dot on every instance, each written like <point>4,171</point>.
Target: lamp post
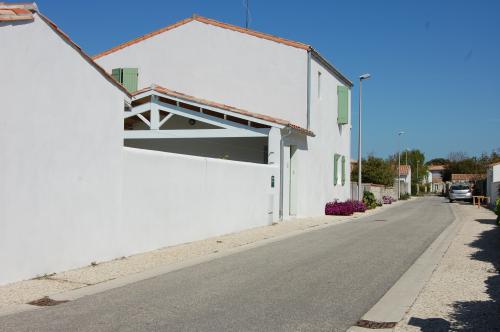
<point>399,163</point>
<point>361,78</point>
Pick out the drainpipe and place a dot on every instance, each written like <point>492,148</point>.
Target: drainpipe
<point>309,89</point>
<point>282,162</point>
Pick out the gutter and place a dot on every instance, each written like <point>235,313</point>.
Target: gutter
<point>330,67</point>
<point>282,162</point>
<point>308,89</point>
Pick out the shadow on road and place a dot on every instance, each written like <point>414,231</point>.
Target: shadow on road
<point>475,315</point>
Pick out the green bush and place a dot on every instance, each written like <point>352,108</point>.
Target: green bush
<point>497,210</point>
<point>369,200</point>
<point>404,196</point>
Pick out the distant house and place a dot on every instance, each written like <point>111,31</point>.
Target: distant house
<point>493,182</point>
<point>437,173</point>
<point>405,178</point>
<point>466,178</point>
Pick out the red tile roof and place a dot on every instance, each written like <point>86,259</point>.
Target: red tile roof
<point>404,169</point>
<point>436,168</point>
<point>22,10</point>
<point>16,11</point>
<point>494,164</point>
<point>233,28</point>
<point>467,177</point>
<point>233,109</point>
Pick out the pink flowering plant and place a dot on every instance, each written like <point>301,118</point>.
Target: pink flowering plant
<point>346,208</point>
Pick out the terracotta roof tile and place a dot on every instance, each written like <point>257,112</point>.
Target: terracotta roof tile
<point>207,21</point>
<point>233,109</point>
<point>467,177</point>
<point>23,8</point>
<point>436,168</point>
<point>16,11</point>
<point>233,28</point>
<point>404,169</point>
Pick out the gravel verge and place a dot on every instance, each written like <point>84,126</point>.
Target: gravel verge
<point>464,291</point>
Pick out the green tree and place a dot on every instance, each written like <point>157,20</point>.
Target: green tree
<point>375,170</point>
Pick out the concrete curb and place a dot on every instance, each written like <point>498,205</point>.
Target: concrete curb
<point>126,280</point>
<point>394,305</point>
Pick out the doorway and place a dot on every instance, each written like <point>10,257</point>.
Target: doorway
<point>293,180</point>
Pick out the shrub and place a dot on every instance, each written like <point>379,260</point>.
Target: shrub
<point>369,200</point>
<point>405,196</point>
<point>339,208</point>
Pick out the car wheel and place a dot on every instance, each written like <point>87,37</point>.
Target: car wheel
<point>451,201</point>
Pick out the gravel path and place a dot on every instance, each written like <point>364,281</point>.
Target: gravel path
<point>29,290</point>
<point>464,291</point>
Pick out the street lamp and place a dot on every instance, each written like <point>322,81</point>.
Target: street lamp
<point>399,163</point>
<point>361,78</point>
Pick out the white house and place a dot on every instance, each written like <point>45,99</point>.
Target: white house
<point>192,167</point>
<point>493,182</point>
<point>280,90</point>
<point>405,178</point>
<point>61,150</point>
<point>437,172</point>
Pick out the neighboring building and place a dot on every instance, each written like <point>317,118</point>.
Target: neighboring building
<point>466,178</point>
<point>493,183</point>
<point>405,178</point>
<point>279,90</point>
<point>61,137</point>
<point>437,173</point>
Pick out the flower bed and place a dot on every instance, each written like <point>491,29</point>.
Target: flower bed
<point>344,208</point>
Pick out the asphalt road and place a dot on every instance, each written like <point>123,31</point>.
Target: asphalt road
<point>323,280</point>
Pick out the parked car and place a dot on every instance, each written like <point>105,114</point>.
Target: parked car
<point>460,192</point>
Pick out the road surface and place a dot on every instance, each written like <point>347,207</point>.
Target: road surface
<point>323,280</point>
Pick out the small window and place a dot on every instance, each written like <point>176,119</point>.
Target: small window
<point>319,85</point>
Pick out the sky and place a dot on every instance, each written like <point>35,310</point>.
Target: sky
<point>435,65</point>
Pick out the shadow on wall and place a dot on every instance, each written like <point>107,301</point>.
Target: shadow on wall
<point>474,315</point>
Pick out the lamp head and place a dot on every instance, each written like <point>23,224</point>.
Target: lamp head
<point>364,77</point>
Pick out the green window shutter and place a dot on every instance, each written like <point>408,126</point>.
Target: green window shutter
<point>130,77</point>
<point>343,104</point>
<point>117,74</point>
<point>343,170</point>
<point>335,169</point>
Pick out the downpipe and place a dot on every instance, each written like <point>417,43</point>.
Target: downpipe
<point>282,172</point>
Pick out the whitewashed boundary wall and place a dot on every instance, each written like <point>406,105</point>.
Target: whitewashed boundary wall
<point>170,199</point>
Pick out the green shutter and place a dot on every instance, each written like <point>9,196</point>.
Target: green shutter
<point>343,170</point>
<point>335,169</point>
<point>343,104</point>
<point>130,76</point>
<point>117,74</point>
<point>127,77</point>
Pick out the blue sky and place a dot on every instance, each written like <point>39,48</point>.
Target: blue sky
<point>435,64</point>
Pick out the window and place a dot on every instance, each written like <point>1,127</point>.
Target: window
<point>127,77</point>
<point>343,104</point>
<point>319,85</point>
<point>343,170</point>
<point>335,169</point>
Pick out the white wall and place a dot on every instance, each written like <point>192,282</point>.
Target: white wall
<point>316,154</point>
<point>170,199</point>
<point>222,65</point>
<point>60,155</point>
<point>493,183</point>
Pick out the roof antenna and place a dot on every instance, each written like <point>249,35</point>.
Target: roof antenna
<point>247,13</point>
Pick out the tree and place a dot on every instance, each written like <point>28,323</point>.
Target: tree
<point>438,161</point>
<point>375,170</point>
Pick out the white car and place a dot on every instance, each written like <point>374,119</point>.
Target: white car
<point>460,192</point>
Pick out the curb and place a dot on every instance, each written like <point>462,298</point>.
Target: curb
<point>77,293</point>
<point>394,305</point>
